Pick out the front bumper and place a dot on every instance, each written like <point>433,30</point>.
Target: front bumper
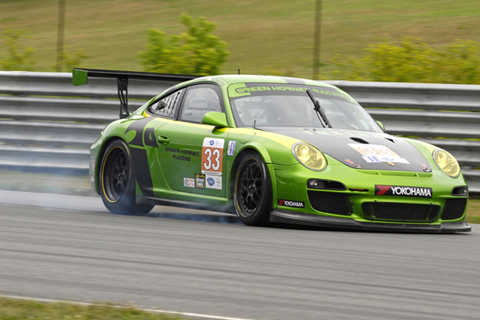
<point>346,198</point>
<point>299,218</point>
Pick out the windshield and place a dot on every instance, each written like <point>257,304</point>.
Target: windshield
<point>286,105</point>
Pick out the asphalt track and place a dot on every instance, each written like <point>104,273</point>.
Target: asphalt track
<point>70,248</point>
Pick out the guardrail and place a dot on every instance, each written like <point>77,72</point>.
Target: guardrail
<point>48,124</point>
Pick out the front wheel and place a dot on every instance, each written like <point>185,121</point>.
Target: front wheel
<point>117,181</point>
<point>252,191</point>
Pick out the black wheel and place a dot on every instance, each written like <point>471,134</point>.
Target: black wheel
<point>252,192</point>
<point>117,181</point>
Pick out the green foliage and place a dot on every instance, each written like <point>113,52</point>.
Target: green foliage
<point>71,60</point>
<point>415,61</point>
<point>17,55</point>
<point>196,51</point>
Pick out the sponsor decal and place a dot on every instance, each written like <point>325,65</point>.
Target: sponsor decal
<point>290,203</point>
<point>403,191</point>
<point>213,182</point>
<point>231,147</point>
<point>189,182</point>
<point>371,159</point>
<point>182,154</point>
<point>182,151</point>
<point>212,156</point>
<point>374,153</point>
<point>200,181</point>
<point>181,158</point>
<point>241,89</point>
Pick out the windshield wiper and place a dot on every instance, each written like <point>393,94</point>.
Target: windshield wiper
<point>318,108</point>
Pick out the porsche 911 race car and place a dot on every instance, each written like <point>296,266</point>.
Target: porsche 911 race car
<point>272,150</point>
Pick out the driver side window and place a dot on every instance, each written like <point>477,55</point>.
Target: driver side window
<point>199,100</point>
<point>167,106</point>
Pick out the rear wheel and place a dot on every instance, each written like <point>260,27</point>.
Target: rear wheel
<point>252,192</point>
<point>117,181</point>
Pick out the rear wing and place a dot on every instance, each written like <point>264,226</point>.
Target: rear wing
<point>80,76</point>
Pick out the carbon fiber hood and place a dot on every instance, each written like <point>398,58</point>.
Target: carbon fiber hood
<point>361,149</point>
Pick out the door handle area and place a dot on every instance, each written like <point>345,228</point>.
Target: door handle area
<point>163,140</point>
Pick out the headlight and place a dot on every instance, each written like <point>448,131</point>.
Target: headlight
<point>309,156</point>
<point>446,162</point>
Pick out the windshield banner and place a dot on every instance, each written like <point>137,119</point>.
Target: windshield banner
<point>261,89</point>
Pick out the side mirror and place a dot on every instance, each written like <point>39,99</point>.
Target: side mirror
<point>217,119</point>
<point>381,125</point>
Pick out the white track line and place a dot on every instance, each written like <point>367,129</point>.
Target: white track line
<point>187,314</point>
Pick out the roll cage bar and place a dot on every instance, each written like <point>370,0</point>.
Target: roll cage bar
<point>80,76</point>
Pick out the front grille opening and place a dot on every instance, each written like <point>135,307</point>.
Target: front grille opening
<point>330,202</point>
<point>460,191</point>
<point>401,212</point>
<point>454,209</point>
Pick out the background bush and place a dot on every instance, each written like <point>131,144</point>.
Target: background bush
<point>415,61</point>
<point>196,51</point>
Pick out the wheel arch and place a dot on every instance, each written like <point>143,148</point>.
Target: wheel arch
<point>99,157</point>
<point>259,216</point>
<point>116,178</point>
<point>265,155</point>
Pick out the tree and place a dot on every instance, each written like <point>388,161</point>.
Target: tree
<point>196,51</point>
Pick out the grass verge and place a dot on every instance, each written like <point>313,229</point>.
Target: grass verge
<point>13,309</point>
<point>263,37</point>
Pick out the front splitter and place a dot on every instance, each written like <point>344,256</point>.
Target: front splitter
<point>299,218</point>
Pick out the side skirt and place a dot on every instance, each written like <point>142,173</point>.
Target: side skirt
<point>185,204</point>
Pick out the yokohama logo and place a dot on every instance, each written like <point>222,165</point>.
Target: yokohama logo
<point>403,191</point>
<point>294,204</point>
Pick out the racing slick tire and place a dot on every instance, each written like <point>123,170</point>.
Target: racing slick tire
<point>252,191</point>
<point>117,181</point>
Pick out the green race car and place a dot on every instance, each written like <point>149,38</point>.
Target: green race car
<point>272,150</point>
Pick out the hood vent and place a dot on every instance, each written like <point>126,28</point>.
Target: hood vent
<point>359,140</point>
